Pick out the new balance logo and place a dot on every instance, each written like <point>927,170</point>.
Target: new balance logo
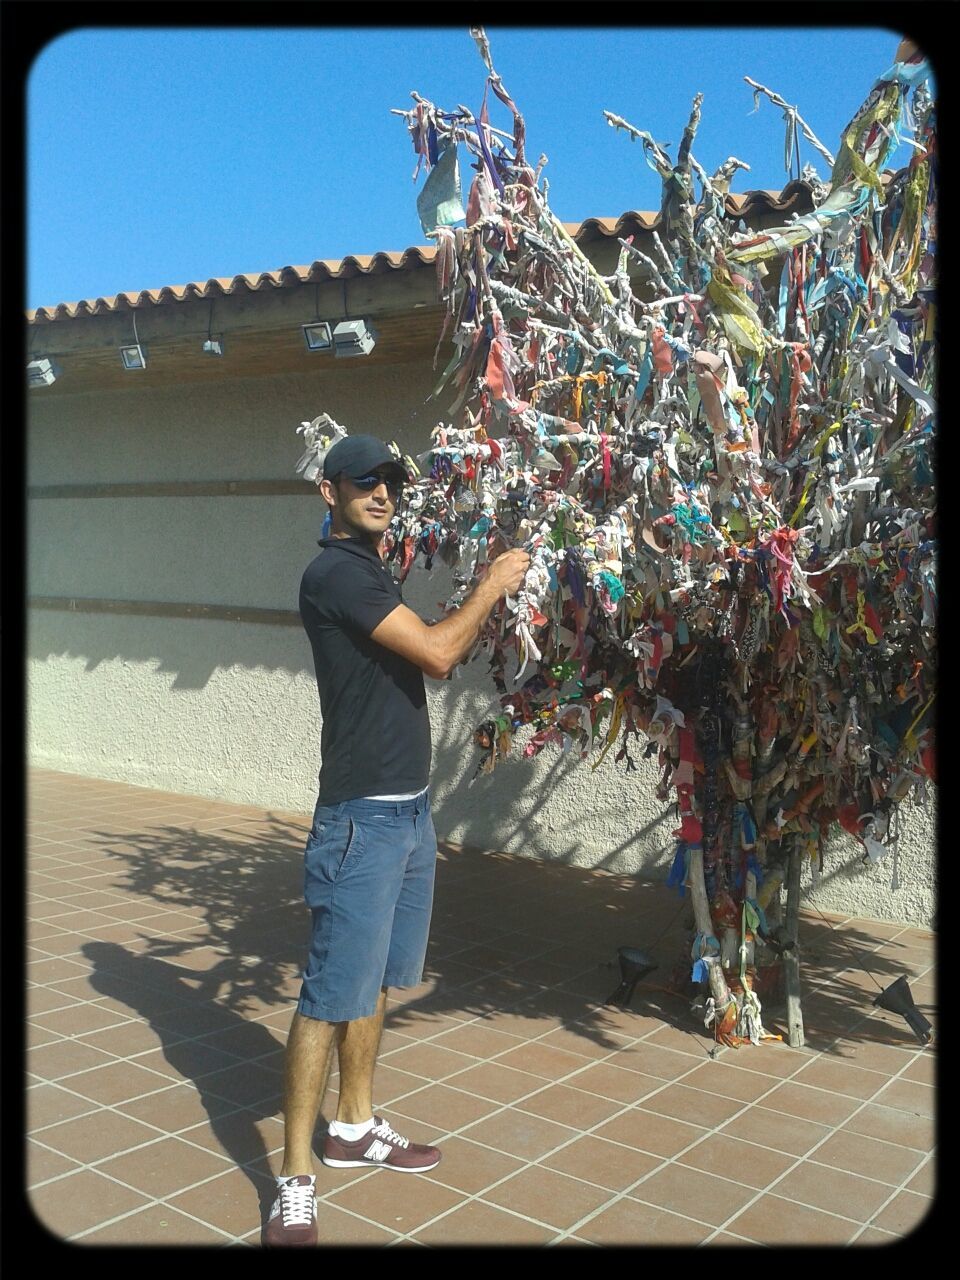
<point>378,1151</point>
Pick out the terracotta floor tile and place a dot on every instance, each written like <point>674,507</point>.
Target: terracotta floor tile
<point>808,1103</point>
<point>157,1226</point>
<point>613,1082</point>
<point>246,1084</point>
<point>502,1084</point>
<point>923,1070</point>
<point>179,1059</point>
<point>524,1019</point>
<point>744,1162</point>
<point>81,1200</point>
<point>194,1020</point>
<point>583,1039</point>
<point>429,1060</point>
<point>37,1036</point>
<point>730,1081</point>
<point>338,1227</point>
<point>231,1202</point>
<point>125,1039</point>
<point>390,1084</point>
<point>652,1060</point>
<point>834,1190</point>
<point>95,1136</point>
<point>608,1164</point>
<point>904,1213</point>
<point>692,1039</point>
<point>779,1132</point>
<point>540,970</point>
<point>924,1181</point>
<point>524,1136</point>
<point>164,1168</point>
<point>571,1106</point>
<point>394,1202</point>
<point>47,1104</point>
<point>44,999</point>
<point>630,1222</point>
<point>79,1019</point>
<point>892,1125</point>
<point>422,1024</point>
<point>116,1082</point>
<point>64,1058</point>
<point>178,1107</point>
<point>542,1060</point>
<point>468,1167</point>
<point>479,1223</point>
<point>42,1164</point>
<point>659,1135</point>
<point>442,1109</point>
<point>873,1056</point>
<point>242,1137</point>
<point>45,910</point>
<point>53,972</point>
<point>776,1221</point>
<point>770,1057</point>
<point>548,1196</point>
<point>694,1193</point>
<point>63,944</point>
<point>872,1236</point>
<point>696,1106</point>
<point>841,1077</point>
<point>627,1024</point>
<point>908,1095</point>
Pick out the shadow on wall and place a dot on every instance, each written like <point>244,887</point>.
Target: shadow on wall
<point>467,805</point>
<point>192,649</point>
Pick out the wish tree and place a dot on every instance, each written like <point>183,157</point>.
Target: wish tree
<point>720,458</point>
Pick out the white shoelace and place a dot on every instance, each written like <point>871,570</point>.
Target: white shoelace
<point>296,1204</point>
<point>383,1130</point>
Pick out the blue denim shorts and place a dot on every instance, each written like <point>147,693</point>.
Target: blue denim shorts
<point>368,881</point>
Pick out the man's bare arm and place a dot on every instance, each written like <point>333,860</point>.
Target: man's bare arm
<point>436,650</point>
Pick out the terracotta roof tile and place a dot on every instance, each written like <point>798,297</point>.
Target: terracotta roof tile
<point>795,197</point>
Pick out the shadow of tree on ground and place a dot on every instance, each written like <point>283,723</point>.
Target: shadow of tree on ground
<point>517,943</point>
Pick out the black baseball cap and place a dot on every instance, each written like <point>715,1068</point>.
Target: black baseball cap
<point>356,456</point>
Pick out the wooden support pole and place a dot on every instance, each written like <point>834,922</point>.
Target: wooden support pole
<point>791,958</point>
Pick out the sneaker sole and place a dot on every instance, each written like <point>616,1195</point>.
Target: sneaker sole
<point>376,1164</point>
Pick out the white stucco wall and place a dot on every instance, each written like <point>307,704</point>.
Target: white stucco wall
<point>229,709</point>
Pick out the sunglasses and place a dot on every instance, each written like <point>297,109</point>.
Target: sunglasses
<point>393,482</point>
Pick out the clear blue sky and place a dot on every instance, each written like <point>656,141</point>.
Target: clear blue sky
<point>160,156</point>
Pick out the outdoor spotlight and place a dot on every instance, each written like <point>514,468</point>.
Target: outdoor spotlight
<point>317,336</point>
<point>133,357</point>
<point>353,338</point>
<point>213,345</point>
<point>41,372</point>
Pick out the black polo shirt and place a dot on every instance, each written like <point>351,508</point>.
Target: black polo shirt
<point>375,737</point>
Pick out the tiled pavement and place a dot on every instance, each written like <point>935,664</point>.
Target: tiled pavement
<point>164,938</point>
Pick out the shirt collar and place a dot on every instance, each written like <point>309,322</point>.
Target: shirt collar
<point>356,546</point>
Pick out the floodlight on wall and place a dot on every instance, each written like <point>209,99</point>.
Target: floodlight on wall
<point>317,336</point>
<point>133,355</point>
<point>41,372</point>
<point>353,338</point>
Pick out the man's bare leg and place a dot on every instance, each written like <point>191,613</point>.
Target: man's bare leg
<point>358,1045</point>
<point>306,1070</point>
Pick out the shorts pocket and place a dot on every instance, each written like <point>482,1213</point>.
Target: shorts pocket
<point>332,847</point>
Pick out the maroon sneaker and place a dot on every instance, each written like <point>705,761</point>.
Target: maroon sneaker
<point>293,1218</point>
<point>381,1146</point>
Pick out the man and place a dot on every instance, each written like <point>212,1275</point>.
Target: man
<point>371,853</point>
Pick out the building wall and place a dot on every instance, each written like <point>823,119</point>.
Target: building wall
<point>229,709</point>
